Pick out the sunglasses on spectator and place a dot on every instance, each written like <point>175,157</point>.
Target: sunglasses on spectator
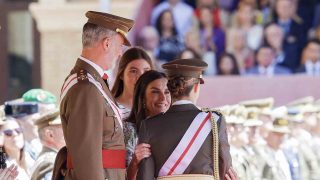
<point>9,132</point>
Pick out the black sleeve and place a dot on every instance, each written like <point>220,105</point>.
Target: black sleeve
<point>146,169</point>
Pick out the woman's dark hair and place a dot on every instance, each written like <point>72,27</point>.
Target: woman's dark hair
<point>180,86</point>
<point>265,45</point>
<point>138,112</point>
<point>235,69</point>
<point>129,56</point>
<point>159,23</point>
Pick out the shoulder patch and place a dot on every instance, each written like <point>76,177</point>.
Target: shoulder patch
<point>82,75</point>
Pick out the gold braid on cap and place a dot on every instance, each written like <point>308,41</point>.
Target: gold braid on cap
<point>121,32</point>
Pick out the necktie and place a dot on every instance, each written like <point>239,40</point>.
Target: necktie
<point>105,78</point>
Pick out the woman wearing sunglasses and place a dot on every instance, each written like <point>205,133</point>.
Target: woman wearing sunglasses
<point>13,145</point>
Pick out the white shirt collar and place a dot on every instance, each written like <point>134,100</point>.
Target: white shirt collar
<point>180,102</point>
<point>94,65</point>
<point>313,68</point>
<point>268,71</point>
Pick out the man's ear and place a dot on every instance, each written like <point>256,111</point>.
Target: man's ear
<point>106,43</point>
<point>49,133</point>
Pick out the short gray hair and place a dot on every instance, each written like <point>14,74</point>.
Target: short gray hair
<point>92,33</point>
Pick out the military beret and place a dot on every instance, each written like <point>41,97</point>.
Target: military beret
<point>112,22</point>
<point>186,67</point>
<point>48,119</point>
<point>19,109</point>
<point>39,95</point>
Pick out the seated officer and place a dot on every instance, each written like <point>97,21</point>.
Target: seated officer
<point>181,139</point>
<point>51,137</point>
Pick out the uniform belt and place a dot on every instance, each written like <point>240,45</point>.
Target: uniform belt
<point>111,159</point>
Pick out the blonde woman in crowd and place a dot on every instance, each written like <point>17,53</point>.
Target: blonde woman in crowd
<point>244,19</point>
<point>236,45</point>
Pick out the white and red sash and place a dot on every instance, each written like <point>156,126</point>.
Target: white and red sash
<point>72,80</point>
<point>189,145</point>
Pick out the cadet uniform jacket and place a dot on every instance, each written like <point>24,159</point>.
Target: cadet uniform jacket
<point>89,125</point>
<point>163,132</point>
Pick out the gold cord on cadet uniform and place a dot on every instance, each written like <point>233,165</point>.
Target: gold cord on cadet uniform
<point>215,143</point>
<point>215,147</point>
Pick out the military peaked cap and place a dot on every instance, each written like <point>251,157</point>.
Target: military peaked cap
<point>112,22</point>
<point>49,118</point>
<point>186,67</point>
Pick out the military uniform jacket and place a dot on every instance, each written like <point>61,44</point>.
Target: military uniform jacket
<point>43,166</point>
<point>164,132</point>
<point>89,125</point>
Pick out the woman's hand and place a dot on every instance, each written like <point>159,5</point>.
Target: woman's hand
<point>9,173</point>
<point>141,151</point>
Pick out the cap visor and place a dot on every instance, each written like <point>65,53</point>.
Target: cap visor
<point>126,41</point>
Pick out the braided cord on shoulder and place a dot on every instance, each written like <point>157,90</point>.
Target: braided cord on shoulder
<point>215,148</point>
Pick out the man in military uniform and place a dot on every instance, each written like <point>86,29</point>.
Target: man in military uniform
<point>275,165</point>
<point>238,139</point>
<point>169,134</point>
<point>90,118</point>
<point>51,137</point>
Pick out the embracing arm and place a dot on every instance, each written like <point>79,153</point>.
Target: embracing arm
<point>146,169</point>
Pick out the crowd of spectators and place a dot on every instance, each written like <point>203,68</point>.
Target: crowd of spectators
<point>237,37</point>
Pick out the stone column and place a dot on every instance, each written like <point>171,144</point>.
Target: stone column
<point>60,26</point>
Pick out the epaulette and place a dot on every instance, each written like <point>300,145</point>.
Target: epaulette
<point>82,75</point>
<point>217,111</point>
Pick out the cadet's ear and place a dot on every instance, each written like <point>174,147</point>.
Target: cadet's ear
<point>196,87</point>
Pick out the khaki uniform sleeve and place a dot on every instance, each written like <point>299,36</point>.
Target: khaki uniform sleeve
<point>146,169</point>
<point>85,113</point>
<point>225,161</point>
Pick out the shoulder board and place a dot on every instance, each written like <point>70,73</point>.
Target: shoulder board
<point>217,111</point>
<point>82,75</point>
